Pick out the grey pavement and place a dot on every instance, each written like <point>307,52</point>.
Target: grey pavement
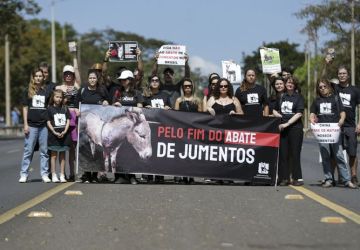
<point>175,216</point>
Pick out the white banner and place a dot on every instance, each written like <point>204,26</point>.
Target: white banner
<point>172,55</point>
<point>270,59</point>
<point>231,71</point>
<point>326,132</point>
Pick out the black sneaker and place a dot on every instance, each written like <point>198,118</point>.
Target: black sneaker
<point>121,180</point>
<point>299,182</point>
<point>284,183</point>
<point>133,180</point>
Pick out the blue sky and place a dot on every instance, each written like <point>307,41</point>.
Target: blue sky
<point>212,30</point>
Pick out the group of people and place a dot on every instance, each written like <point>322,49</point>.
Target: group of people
<point>51,112</point>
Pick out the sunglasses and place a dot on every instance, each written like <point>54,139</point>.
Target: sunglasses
<point>323,87</point>
<point>223,86</point>
<point>187,86</point>
<point>155,80</point>
<point>68,74</point>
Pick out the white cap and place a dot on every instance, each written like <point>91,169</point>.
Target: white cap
<point>126,74</point>
<point>68,68</point>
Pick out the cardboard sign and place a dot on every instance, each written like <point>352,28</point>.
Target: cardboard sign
<point>270,59</point>
<point>121,51</point>
<point>172,55</point>
<point>326,132</point>
<point>231,71</point>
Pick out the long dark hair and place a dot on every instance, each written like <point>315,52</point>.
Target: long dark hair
<point>210,89</point>
<point>230,89</point>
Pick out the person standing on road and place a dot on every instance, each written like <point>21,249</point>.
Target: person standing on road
<point>252,96</point>
<point>35,102</point>
<point>127,96</point>
<point>156,98</point>
<point>350,98</point>
<point>59,140</point>
<point>93,93</point>
<point>327,108</point>
<point>188,102</point>
<point>70,87</point>
<point>290,108</point>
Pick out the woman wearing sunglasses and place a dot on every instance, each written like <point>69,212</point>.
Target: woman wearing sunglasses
<point>327,108</point>
<point>223,101</point>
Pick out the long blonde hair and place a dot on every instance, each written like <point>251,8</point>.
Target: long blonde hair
<point>33,87</point>
<point>195,98</point>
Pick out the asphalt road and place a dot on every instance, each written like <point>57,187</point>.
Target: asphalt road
<point>174,216</point>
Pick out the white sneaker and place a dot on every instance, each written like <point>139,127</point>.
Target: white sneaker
<point>62,178</point>
<point>54,178</point>
<point>23,179</point>
<point>45,179</point>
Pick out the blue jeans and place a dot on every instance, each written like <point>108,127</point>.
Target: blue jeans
<point>35,134</point>
<point>335,150</point>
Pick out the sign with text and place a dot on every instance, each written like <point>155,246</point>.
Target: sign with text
<point>167,142</point>
<point>326,132</point>
<point>172,55</point>
<point>270,60</point>
<point>231,71</point>
<point>121,51</point>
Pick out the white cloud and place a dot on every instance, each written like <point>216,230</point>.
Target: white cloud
<point>205,66</point>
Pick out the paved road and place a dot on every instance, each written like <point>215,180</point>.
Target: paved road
<point>174,216</point>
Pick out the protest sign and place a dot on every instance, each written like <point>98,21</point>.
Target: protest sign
<point>326,132</point>
<point>231,71</point>
<point>172,55</point>
<point>166,142</point>
<point>270,59</point>
<point>123,51</point>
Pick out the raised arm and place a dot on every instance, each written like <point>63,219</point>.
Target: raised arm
<point>155,65</point>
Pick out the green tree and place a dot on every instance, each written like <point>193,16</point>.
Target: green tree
<point>334,17</point>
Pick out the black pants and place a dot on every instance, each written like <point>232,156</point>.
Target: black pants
<point>291,140</point>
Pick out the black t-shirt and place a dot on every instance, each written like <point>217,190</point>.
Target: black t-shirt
<point>97,96</point>
<point>114,92</point>
<point>158,100</point>
<point>350,98</point>
<point>289,105</point>
<point>327,109</point>
<point>253,100</point>
<point>130,99</point>
<point>58,117</point>
<point>173,90</point>
<point>37,106</point>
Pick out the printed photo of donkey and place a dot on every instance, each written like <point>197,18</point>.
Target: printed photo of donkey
<point>106,133</point>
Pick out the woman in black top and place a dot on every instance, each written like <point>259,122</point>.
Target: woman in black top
<point>327,108</point>
<point>278,86</point>
<point>127,96</point>
<point>213,81</point>
<point>223,101</point>
<point>187,102</point>
<point>35,102</point>
<point>252,96</point>
<point>155,97</point>
<point>290,108</point>
<point>93,93</point>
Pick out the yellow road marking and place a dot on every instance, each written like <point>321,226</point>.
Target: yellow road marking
<point>333,220</point>
<point>294,197</point>
<point>333,206</point>
<point>38,199</point>
<point>39,214</point>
